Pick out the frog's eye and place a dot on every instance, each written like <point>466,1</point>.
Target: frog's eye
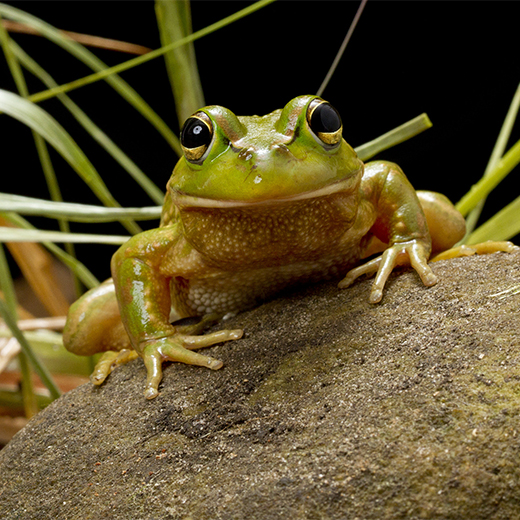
<point>196,136</point>
<point>325,122</point>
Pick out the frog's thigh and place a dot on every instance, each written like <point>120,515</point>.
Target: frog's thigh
<point>445,224</point>
<point>94,323</point>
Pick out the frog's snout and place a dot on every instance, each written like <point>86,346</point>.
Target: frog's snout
<point>262,155</point>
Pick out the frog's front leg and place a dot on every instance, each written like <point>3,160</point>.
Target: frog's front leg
<point>399,222</point>
<point>143,291</point>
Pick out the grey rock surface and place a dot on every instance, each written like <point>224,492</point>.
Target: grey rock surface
<point>329,408</point>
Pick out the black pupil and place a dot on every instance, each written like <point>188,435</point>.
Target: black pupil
<point>325,118</point>
<point>195,133</point>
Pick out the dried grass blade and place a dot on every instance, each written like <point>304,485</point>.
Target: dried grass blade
<point>37,268</point>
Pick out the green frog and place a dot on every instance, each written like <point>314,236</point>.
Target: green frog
<point>256,204</point>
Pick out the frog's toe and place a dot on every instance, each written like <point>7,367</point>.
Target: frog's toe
<point>483,248</point>
<point>179,348</point>
<point>195,342</point>
<point>108,362</point>
<point>412,252</point>
<point>171,349</point>
<point>370,268</point>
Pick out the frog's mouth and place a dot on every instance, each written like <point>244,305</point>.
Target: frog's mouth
<point>348,185</point>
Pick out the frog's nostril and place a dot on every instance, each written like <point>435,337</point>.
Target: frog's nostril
<point>246,154</point>
<point>281,149</point>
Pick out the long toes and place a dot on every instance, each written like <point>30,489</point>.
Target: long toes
<point>196,342</point>
<point>103,367</point>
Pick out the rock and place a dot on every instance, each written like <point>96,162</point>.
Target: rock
<point>329,408</point>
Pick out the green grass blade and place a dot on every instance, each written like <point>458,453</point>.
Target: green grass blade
<point>21,85</point>
<point>393,137</point>
<point>40,121</point>
<point>8,234</point>
<point>41,147</point>
<point>74,212</point>
<point>39,367</point>
<point>502,226</point>
<point>174,22</point>
<point>89,59</point>
<point>498,151</point>
<point>7,287</point>
<point>95,132</point>
<point>12,399</point>
<point>48,345</point>
<point>107,73</point>
<point>486,184</point>
<point>78,268</point>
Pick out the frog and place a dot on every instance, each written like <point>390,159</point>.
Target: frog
<point>255,205</point>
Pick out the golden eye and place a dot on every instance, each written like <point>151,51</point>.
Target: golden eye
<point>324,120</point>
<point>196,136</point>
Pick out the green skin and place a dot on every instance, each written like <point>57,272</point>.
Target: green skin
<point>268,206</point>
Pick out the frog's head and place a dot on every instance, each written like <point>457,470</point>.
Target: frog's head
<point>294,153</point>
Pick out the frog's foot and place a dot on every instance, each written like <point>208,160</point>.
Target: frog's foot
<point>197,327</point>
<point>484,248</point>
<point>179,347</point>
<point>110,360</point>
<point>404,253</point>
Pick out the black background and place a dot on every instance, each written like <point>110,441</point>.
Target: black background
<point>457,61</point>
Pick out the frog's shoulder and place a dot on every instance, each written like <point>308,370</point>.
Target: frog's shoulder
<point>379,168</point>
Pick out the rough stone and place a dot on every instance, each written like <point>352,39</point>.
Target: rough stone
<point>329,408</point>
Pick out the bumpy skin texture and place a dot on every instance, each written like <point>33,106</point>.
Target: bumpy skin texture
<point>269,205</point>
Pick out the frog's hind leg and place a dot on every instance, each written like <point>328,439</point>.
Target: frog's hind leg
<point>94,325</point>
<point>445,224</point>
<point>447,227</point>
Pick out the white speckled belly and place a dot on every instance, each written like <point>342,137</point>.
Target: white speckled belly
<point>238,291</point>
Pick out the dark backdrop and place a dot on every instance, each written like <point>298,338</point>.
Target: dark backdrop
<point>457,61</point>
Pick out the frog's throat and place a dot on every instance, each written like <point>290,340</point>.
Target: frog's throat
<point>183,200</point>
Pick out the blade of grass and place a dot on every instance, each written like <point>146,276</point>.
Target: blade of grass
<point>95,132</point>
<point>36,118</point>
<point>21,85</point>
<point>502,226</point>
<point>35,264</point>
<point>32,258</point>
<point>89,59</point>
<point>79,269</point>
<point>49,347</point>
<point>8,234</point>
<point>74,212</point>
<point>12,399</point>
<point>498,151</point>
<point>393,137</point>
<point>85,39</point>
<point>107,73</point>
<point>39,367</point>
<point>174,22</point>
<point>486,184</point>
<point>342,48</point>
<point>10,305</point>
